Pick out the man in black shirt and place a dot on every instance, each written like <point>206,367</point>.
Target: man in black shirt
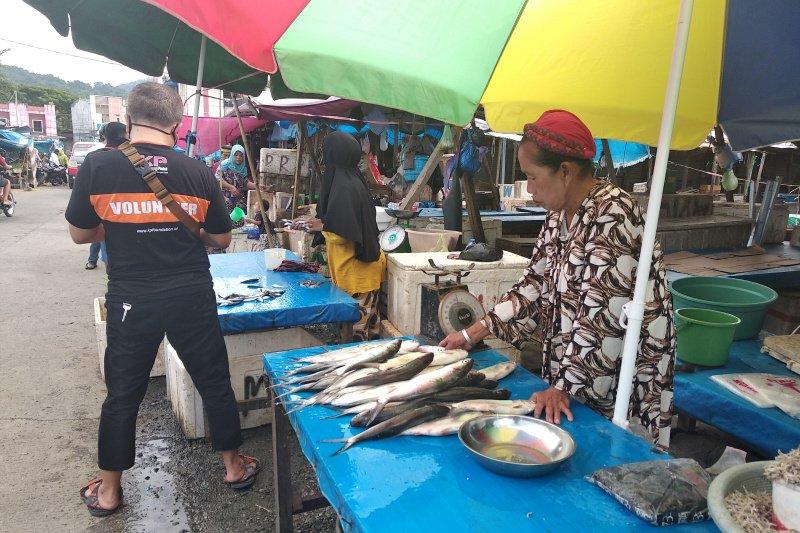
<point>158,282</point>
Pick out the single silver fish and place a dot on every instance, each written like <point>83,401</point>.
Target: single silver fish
<point>441,427</point>
<point>499,371</point>
<point>348,398</point>
<point>498,407</point>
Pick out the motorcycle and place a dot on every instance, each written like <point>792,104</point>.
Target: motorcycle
<point>51,173</point>
<point>8,209</point>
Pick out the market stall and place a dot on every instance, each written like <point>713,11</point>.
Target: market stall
<point>252,328</point>
<point>764,430</point>
<point>431,483</point>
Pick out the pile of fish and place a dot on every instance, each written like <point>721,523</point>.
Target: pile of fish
<point>401,388</point>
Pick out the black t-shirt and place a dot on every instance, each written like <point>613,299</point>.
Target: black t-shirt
<point>149,250</point>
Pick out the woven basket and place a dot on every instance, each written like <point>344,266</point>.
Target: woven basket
<point>749,477</point>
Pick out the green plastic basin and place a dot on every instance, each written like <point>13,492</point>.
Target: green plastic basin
<point>704,335</point>
<point>744,299</point>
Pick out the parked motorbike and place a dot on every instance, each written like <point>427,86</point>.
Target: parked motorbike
<point>51,173</point>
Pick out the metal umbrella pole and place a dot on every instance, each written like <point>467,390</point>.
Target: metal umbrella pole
<point>633,312</point>
<point>201,64</point>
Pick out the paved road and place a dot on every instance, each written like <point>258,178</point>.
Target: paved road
<point>50,397</point>
<point>50,388</point>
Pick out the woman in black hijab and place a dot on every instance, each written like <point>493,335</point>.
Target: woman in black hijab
<point>346,220</point>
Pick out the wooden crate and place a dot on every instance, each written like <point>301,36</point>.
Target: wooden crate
<point>245,352</point>
<point>100,332</point>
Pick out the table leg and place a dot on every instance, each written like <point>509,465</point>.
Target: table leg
<point>281,467</point>
<point>686,423</point>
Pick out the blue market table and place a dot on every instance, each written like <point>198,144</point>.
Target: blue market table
<point>765,431</point>
<point>405,484</point>
<point>252,328</point>
<point>298,306</point>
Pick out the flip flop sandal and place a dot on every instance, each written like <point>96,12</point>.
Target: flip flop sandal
<point>90,265</point>
<point>92,501</point>
<point>251,469</point>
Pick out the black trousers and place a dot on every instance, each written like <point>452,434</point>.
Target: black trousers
<point>190,322</point>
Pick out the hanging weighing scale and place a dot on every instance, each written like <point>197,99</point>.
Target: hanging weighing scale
<point>394,238</point>
<point>447,306</point>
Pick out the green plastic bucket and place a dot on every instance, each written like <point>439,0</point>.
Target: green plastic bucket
<point>237,214</point>
<point>744,299</point>
<point>704,335</point>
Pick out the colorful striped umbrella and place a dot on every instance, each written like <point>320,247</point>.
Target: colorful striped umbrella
<point>659,72</point>
<point>605,60</point>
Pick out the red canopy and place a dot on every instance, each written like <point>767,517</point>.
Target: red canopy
<point>235,25</point>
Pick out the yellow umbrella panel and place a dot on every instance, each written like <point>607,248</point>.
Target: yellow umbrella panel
<point>608,61</point>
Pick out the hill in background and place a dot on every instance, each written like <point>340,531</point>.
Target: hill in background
<point>20,76</point>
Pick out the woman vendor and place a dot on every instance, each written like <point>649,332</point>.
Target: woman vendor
<point>581,273</point>
<point>346,220</point>
<point>234,179</point>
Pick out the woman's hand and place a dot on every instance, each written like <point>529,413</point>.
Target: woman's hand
<point>314,225</point>
<point>455,340</point>
<point>552,402</point>
<point>476,332</point>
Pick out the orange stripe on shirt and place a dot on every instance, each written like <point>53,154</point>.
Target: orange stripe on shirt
<point>143,207</point>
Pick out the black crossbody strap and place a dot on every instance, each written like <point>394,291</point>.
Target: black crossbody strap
<point>151,178</point>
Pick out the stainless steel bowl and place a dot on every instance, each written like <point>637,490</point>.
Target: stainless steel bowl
<point>518,446</point>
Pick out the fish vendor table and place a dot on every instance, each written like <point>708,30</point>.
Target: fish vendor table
<point>764,430</point>
<point>252,328</point>
<point>786,277</point>
<point>432,483</point>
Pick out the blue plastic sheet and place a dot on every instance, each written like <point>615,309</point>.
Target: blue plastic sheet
<point>298,306</point>
<point>765,430</point>
<point>409,484</point>
<point>623,153</point>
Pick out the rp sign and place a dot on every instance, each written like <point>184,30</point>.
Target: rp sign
<point>282,161</point>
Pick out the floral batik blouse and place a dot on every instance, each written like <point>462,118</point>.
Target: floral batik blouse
<point>575,286</point>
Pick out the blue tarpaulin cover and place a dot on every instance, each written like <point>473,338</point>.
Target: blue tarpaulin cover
<point>298,306</point>
<point>765,430</point>
<point>758,102</point>
<point>409,484</point>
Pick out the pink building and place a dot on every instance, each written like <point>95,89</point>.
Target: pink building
<point>40,119</point>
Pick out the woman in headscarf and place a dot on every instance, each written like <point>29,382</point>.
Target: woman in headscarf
<point>235,179</point>
<point>582,271</point>
<point>346,220</point>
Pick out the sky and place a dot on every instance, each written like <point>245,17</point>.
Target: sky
<point>23,24</point>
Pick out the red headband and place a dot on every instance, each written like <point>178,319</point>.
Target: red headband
<point>562,132</point>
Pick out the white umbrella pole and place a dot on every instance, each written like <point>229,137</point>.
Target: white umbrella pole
<point>201,65</point>
<point>635,309</point>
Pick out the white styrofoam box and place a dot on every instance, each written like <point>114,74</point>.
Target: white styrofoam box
<point>245,351</point>
<point>100,332</point>
<point>300,242</point>
<point>487,281</point>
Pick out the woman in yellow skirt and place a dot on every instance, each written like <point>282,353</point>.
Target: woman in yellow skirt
<point>346,221</point>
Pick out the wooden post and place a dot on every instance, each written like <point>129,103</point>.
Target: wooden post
<point>514,163</point>
<point>300,128</point>
<point>609,160</point>
<point>424,174</point>
<point>281,467</point>
<point>251,163</point>
<point>219,122</point>
<point>475,223</point>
